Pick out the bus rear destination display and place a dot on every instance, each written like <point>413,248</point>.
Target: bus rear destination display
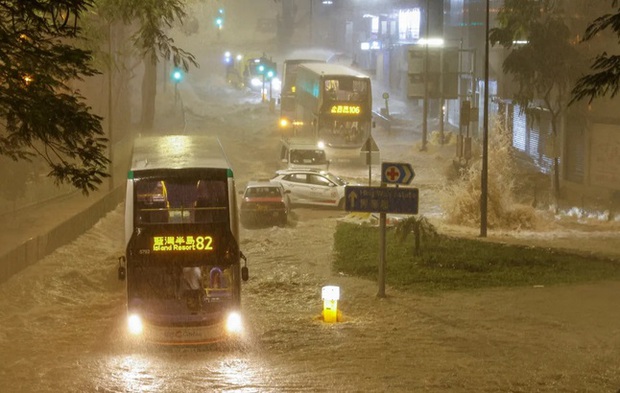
<point>182,243</point>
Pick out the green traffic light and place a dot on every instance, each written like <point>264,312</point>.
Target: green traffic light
<point>177,75</point>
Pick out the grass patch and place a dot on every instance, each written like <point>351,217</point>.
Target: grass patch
<point>447,263</point>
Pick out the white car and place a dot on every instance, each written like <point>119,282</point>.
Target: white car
<point>312,187</point>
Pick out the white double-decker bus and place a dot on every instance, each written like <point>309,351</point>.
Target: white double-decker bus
<point>334,105</point>
<point>183,263</point>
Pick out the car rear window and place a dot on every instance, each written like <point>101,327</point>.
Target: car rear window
<point>263,192</point>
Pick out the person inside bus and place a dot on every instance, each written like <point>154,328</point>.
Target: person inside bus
<point>331,87</point>
<point>219,282</point>
<point>156,201</point>
<point>191,279</point>
<point>191,287</point>
<point>352,134</point>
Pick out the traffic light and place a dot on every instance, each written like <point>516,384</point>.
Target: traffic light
<point>177,75</point>
<point>219,20</point>
<point>267,67</point>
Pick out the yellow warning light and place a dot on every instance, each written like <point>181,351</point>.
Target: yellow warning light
<point>330,295</point>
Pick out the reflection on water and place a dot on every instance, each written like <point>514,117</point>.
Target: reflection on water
<point>237,373</point>
<point>185,370</point>
<point>134,373</point>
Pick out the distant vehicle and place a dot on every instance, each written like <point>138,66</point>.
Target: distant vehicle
<point>296,154</point>
<point>312,187</point>
<point>183,263</point>
<point>260,74</point>
<point>264,201</point>
<point>333,104</point>
<point>287,96</point>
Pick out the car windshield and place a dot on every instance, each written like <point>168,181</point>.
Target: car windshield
<point>308,157</point>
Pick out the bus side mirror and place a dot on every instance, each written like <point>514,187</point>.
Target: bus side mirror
<point>245,274</point>
<point>122,270</point>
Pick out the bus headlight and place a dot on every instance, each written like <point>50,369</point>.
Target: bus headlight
<point>233,323</point>
<point>134,323</point>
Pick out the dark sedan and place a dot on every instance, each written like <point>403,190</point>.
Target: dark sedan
<point>264,202</point>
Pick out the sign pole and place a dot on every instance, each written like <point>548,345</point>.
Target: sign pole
<point>384,199</point>
<point>369,162</point>
<point>382,252</point>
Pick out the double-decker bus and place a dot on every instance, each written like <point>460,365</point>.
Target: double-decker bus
<point>334,105</point>
<point>182,265</point>
<point>287,95</point>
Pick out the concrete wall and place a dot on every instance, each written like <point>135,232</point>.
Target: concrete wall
<point>33,250</point>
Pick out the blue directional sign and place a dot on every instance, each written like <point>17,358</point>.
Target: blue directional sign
<point>381,199</point>
<point>396,173</point>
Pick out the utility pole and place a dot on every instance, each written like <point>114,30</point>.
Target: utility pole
<point>110,110</point>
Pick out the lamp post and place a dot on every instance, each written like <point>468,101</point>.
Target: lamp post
<point>425,103</point>
<point>485,133</point>
<point>311,21</point>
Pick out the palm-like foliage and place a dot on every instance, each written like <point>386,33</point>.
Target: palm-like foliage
<point>40,113</point>
<point>604,80</point>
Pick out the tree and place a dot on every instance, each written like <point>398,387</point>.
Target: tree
<point>542,60</point>
<point>153,17</point>
<point>604,80</point>
<point>41,114</point>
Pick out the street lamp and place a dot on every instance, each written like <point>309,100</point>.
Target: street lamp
<point>485,134</point>
<point>425,104</point>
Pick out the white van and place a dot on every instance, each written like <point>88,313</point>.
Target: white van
<point>303,154</point>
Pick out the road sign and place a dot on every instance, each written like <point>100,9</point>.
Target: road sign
<point>402,200</point>
<point>396,173</point>
<point>370,145</point>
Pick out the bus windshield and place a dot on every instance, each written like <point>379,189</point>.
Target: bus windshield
<point>173,281</point>
<point>346,89</point>
<point>173,200</point>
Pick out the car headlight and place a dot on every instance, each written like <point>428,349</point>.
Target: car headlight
<point>234,324</point>
<point>256,82</point>
<point>134,323</point>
